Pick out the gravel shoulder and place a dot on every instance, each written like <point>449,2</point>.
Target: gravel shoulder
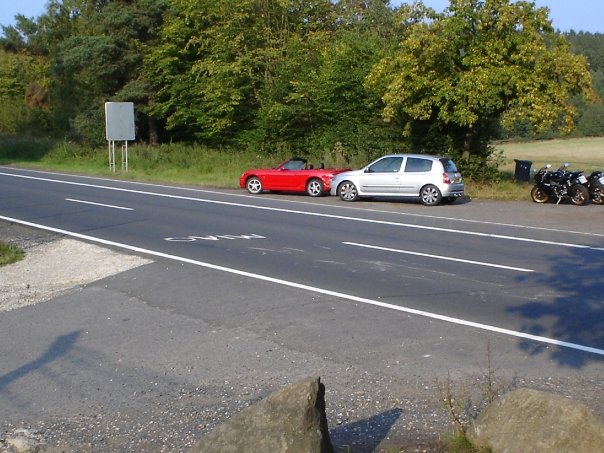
<point>52,268</point>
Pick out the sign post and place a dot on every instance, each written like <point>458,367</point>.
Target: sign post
<point>119,126</point>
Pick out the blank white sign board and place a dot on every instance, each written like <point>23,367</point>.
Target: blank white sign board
<point>119,121</point>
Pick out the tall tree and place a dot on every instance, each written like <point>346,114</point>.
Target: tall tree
<point>203,67</point>
<point>218,61</point>
<point>95,50</point>
<point>314,98</point>
<point>460,72</point>
<point>23,93</point>
<point>101,57</point>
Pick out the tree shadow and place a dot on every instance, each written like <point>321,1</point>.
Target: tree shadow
<point>575,314</point>
<point>364,435</point>
<point>59,348</point>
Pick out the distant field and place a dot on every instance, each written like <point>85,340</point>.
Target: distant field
<point>585,154</point>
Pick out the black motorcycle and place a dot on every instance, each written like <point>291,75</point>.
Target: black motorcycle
<point>559,185</point>
<point>595,187</point>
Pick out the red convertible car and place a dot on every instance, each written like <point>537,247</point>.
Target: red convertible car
<point>293,175</point>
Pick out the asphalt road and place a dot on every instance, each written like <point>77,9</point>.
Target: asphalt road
<point>392,289</point>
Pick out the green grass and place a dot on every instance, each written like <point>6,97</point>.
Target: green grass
<point>221,168</point>
<point>458,443</point>
<point>585,154</point>
<point>9,254</point>
<point>173,163</point>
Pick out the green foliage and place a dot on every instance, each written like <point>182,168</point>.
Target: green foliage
<point>221,167</point>
<point>315,78</point>
<point>88,126</point>
<point>591,121</point>
<point>204,67</point>
<point>16,117</point>
<point>591,45</point>
<point>476,64</point>
<point>23,94</point>
<point>93,50</point>
<point>9,254</point>
<point>481,168</point>
<point>459,443</point>
<point>14,149</point>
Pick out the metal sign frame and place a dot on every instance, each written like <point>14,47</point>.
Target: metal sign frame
<point>119,126</point>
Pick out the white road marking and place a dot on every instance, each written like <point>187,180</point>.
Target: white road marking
<point>215,237</point>
<point>439,257</point>
<point>314,289</point>
<point>260,197</point>
<point>99,204</point>
<point>315,214</point>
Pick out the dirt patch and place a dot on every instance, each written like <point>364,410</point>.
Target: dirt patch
<point>52,268</point>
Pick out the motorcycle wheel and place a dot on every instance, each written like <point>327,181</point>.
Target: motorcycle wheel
<point>578,194</point>
<point>539,195</point>
<point>597,195</point>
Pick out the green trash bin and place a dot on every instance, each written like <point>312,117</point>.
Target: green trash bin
<point>523,170</point>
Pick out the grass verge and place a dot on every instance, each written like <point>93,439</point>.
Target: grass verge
<point>10,254</point>
<point>221,168</point>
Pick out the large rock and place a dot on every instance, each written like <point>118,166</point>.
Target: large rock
<point>290,420</point>
<point>531,421</point>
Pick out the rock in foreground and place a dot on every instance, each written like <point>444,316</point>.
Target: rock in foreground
<point>529,420</point>
<point>290,420</point>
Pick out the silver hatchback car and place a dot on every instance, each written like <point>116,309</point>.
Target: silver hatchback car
<point>433,179</point>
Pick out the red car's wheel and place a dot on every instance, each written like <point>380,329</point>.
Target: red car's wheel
<point>314,187</point>
<point>253,185</point>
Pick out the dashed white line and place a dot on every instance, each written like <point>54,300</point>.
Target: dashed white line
<point>99,204</point>
<point>439,257</point>
<point>315,214</point>
<point>348,207</point>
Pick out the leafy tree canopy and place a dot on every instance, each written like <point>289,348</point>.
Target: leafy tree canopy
<point>303,76</point>
<point>478,62</point>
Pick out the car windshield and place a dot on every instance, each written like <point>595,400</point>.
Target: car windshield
<point>449,166</point>
<point>294,164</point>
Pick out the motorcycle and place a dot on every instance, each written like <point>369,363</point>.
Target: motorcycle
<point>595,187</point>
<point>560,184</point>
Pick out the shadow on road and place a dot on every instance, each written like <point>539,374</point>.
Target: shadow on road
<point>365,435</point>
<point>60,347</point>
<point>575,315</point>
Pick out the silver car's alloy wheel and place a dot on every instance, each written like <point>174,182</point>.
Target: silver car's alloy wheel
<point>431,196</point>
<point>314,187</point>
<point>347,191</point>
<point>253,185</point>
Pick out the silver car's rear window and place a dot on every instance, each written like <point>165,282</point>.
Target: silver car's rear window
<point>415,164</point>
<point>448,165</point>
